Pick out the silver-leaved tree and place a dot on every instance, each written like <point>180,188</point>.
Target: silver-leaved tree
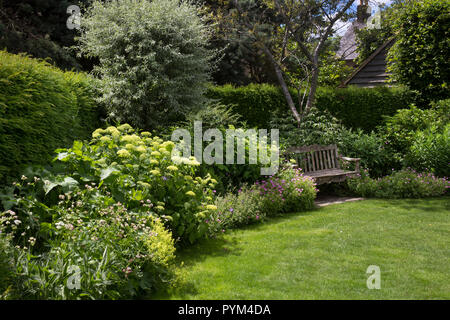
<point>154,62</point>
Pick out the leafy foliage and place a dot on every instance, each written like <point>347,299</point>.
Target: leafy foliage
<point>400,129</point>
<point>372,148</point>
<point>91,248</point>
<point>136,168</point>
<point>400,184</point>
<point>229,176</point>
<point>370,39</point>
<point>7,269</point>
<point>430,151</point>
<point>257,104</point>
<point>419,57</point>
<point>41,109</point>
<point>286,192</point>
<point>154,60</point>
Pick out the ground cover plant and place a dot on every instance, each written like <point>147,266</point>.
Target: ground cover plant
<point>87,246</point>
<point>287,191</point>
<point>400,184</point>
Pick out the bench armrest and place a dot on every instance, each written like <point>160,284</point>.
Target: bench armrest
<point>356,160</point>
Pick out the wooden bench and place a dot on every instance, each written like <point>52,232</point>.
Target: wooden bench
<point>322,163</point>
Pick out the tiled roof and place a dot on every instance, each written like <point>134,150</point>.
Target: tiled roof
<point>347,46</point>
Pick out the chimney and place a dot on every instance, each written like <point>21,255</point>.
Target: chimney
<point>363,11</point>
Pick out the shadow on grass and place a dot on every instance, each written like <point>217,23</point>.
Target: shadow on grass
<point>423,204</point>
<point>190,256</point>
<point>223,246</point>
<point>217,247</point>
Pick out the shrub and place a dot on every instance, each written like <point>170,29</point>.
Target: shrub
<point>135,169</point>
<point>376,155</point>
<point>317,127</point>
<point>400,130</point>
<point>41,109</point>
<point>288,191</point>
<point>355,107</point>
<point>230,176</point>
<point>430,150</point>
<point>111,251</point>
<point>363,108</point>
<point>235,210</point>
<point>154,60</point>
<point>419,57</point>
<point>400,184</point>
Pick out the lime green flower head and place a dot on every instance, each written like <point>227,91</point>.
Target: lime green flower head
<point>155,154</point>
<point>97,133</point>
<point>105,139</point>
<point>130,138</point>
<point>129,146</point>
<point>193,161</point>
<point>143,184</point>
<point>124,127</point>
<point>200,215</point>
<point>172,168</point>
<point>146,134</point>
<point>211,207</point>
<point>123,153</point>
<point>155,172</point>
<point>113,131</point>
<point>141,149</point>
<point>190,193</point>
<point>168,145</point>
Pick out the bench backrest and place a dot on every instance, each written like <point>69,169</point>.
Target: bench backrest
<point>315,157</point>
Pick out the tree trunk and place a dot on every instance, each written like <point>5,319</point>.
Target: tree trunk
<point>313,87</point>
<point>284,87</point>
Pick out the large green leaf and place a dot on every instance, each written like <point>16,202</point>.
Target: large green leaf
<point>105,173</point>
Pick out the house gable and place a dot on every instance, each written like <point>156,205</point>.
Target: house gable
<point>373,71</point>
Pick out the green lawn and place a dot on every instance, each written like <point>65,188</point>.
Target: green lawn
<point>324,254</point>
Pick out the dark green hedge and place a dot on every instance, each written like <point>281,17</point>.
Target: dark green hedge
<point>355,107</point>
<point>41,108</point>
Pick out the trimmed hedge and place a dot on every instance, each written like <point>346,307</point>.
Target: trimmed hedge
<point>356,107</point>
<point>41,108</point>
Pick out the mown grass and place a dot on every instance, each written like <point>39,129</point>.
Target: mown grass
<point>324,254</point>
